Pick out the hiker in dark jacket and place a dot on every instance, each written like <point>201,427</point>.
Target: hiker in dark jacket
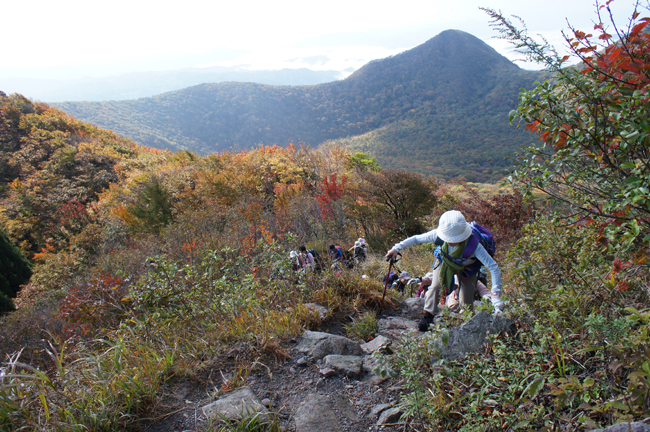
<point>456,234</point>
<point>335,254</point>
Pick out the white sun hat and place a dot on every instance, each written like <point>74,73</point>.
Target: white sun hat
<point>452,227</point>
<point>293,254</point>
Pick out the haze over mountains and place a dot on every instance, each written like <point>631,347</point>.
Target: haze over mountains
<point>440,108</point>
<point>142,84</point>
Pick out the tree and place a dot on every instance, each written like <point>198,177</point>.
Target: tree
<point>153,209</point>
<point>399,196</point>
<point>15,270</point>
<point>592,121</point>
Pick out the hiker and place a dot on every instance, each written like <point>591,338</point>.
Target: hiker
<point>296,262</point>
<point>481,292</point>
<point>309,262</point>
<point>456,236</point>
<point>359,252</point>
<point>336,255</point>
<point>425,283</point>
<point>400,283</point>
<point>363,244</point>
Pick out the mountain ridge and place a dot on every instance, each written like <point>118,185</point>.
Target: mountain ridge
<point>454,91</point>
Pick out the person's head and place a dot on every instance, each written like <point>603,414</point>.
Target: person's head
<point>453,228</point>
<point>332,247</point>
<point>362,240</point>
<point>404,277</point>
<point>303,249</point>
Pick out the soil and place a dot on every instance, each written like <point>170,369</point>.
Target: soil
<point>282,385</point>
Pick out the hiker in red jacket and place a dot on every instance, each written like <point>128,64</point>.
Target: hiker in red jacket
<point>461,254</point>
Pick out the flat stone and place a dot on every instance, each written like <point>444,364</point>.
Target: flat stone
<point>319,345</point>
<point>414,302</point>
<point>390,416</point>
<point>347,365</point>
<point>327,372</point>
<point>316,414</point>
<point>380,343</point>
<point>302,361</point>
<point>378,409</point>
<point>396,323</point>
<point>235,405</point>
<point>345,407</point>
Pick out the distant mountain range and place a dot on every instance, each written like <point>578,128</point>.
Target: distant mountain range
<point>143,84</point>
<point>440,108</point>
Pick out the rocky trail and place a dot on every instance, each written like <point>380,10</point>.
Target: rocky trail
<point>326,383</point>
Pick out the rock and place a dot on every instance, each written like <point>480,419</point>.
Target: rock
<point>319,345</point>
<point>625,427</point>
<point>235,405</point>
<point>345,407</point>
<point>327,372</point>
<point>396,323</point>
<point>266,402</point>
<point>390,416</point>
<point>302,362</point>
<point>316,414</point>
<point>378,409</point>
<point>370,367</point>
<point>347,365</point>
<point>375,380</point>
<point>313,307</point>
<point>471,336</point>
<point>414,303</point>
<point>380,343</point>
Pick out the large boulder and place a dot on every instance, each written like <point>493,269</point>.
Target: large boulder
<point>319,345</point>
<point>350,366</point>
<point>471,336</point>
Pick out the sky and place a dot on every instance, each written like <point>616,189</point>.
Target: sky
<point>69,39</point>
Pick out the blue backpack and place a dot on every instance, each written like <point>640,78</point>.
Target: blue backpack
<point>481,235</point>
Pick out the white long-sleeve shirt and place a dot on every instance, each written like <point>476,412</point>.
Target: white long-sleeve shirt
<point>480,253</point>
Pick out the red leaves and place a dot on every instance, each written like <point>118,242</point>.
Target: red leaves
<point>532,127</point>
<point>331,191</point>
<point>639,27</point>
<point>584,221</point>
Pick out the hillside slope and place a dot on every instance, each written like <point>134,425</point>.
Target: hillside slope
<point>448,96</point>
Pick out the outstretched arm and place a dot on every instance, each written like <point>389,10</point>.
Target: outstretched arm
<point>428,237</point>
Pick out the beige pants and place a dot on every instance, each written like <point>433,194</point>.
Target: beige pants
<point>465,294</point>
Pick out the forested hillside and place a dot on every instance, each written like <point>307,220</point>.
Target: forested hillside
<point>440,108</point>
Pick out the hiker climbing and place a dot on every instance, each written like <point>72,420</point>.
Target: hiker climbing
<point>309,262</point>
<point>462,252</point>
<point>336,255</point>
<point>400,282</point>
<point>359,252</point>
<point>296,261</point>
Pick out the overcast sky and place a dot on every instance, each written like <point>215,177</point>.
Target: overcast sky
<point>74,38</point>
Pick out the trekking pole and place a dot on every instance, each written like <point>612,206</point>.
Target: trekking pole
<point>392,260</point>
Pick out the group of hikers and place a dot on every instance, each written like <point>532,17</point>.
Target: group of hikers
<point>462,250</point>
<point>308,260</point>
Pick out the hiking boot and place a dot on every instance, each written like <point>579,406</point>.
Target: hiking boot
<point>425,322</point>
